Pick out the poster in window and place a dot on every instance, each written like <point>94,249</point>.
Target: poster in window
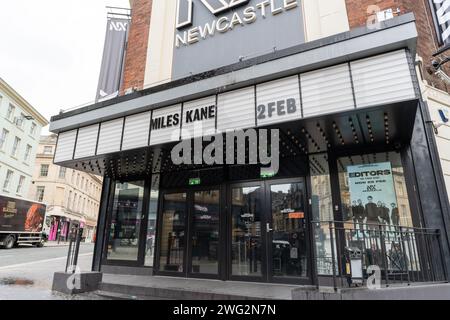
<point>372,193</point>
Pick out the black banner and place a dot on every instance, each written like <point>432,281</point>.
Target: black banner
<point>113,58</point>
<point>441,17</point>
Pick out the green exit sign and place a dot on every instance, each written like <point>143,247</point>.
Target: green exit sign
<point>267,175</point>
<point>195,181</point>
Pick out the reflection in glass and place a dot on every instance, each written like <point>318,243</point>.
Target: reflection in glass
<point>173,233</point>
<point>205,232</point>
<point>322,210</point>
<point>289,255</point>
<point>246,231</point>
<point>126,221</point>
<point>151,224</point>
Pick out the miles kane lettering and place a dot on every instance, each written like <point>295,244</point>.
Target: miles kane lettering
<point>190,116</point>
<point>200,114</point>
<point>370,173</point>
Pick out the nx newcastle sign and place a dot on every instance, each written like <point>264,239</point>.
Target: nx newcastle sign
<point>441,16</point>
<point>243,14</point>
<point>214,33</point>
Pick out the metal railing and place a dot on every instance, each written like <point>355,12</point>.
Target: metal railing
<point>353,253</point>
<point>74,248</point>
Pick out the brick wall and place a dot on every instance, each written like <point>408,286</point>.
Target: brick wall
<point>135,60</point>
<point>427,44</point>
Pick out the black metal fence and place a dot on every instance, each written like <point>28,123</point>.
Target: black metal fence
<point>74,248</point>
<point>353,254</point>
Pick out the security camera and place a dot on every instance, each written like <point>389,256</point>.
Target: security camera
<point>436,64</point>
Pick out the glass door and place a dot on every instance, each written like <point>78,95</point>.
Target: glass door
<point>172,245</point>
<point>189,236</point>
<point>247,254</point>
<point>204,233</point>
<point>287,232</point>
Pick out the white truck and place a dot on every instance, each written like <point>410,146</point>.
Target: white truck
<point>21,222</point>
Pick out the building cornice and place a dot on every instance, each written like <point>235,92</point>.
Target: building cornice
<point>24,104</point>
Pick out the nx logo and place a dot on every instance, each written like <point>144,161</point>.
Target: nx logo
<point>118,26</point>
<point>443,17</point>
<point>185,9</point>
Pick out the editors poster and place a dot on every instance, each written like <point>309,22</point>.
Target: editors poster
<point>372,193</point>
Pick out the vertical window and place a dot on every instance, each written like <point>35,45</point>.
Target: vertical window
<point>69,200</point>
<point>10,112</point>
<point>40,193</point>
<point>125,224</point>
<point>62,172</point>
<point>72,180</point>
<point>322,212</point>
<point>15,147</point>
<point>78,180</point>
<point>33,129</point>
<point>152,221</point>
<point>27,153</point>
<point>20,185</point>
<point>3,138</point>
<point>8,178</point>
<point>48,149</point>
<point>20,121</point>
<point>44,170</point>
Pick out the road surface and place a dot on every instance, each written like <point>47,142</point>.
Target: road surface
<point>26,273</point>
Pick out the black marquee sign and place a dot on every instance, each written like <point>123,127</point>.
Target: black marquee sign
<point>441,17</point>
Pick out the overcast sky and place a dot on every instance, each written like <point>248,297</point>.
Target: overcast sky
<point>51,50</point>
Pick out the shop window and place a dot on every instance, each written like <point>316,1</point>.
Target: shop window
<point>322,211</point>
<point>152,222</point>
<point>123,242</point>
<point>373,188</point>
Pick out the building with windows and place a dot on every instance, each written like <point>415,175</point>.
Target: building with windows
<point>340,86</point>
<point>72,196</point>
<point>20,128</point>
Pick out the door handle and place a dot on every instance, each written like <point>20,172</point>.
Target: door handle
<point>268,228</point>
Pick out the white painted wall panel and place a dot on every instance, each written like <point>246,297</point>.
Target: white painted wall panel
<point>444,148</point>
<point>327,90</point>
<point>86,141</point>
<point>110,136</point>
<point>447,182</point>
<point>236,110</point>
<point>382,79</point>
<point>198,128</point>
<point>137,130</point>
<point>273,92</point>
<point>168,134</point>
<point>66,145</point>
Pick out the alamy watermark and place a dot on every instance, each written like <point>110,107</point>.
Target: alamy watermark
<point>234,147</point>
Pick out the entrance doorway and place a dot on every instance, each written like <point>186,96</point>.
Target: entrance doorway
<point>269,234</point>
<point>189,233</point>
<point>261,234</point>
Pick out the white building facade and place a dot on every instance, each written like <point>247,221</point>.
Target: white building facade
<point>72,196</point>
<point>20,128</point>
